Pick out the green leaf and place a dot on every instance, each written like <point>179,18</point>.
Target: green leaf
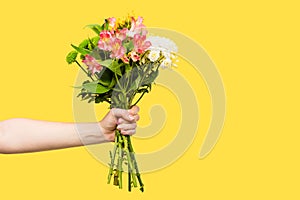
<point>106,24</point>
<point>113,65</point>
<point>99,54</point>
<point>95,27</point>
<point>112,83</point>
<point>129,45</point>
<point>105,63</point>
<point>84,44</point>
<point>135,84</point>
<point>150,78</point>
<point>98,100</point>
<point>71,57</point>
<point>81,50</point>
<point>82,57</point>
<point>93,42</point>
<point>128,68</point>
<point>103,97</point>
<point>95,87</point>
<point>105,77</point>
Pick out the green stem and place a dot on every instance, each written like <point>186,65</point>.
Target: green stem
<point>84,70</point>
<point>118,82</point>
<point>120,161</point>
<point>130,165</point>
<point>138,175</point>
<point>129,178</point>
<point>112,164</point>
<point>129,159</point>
<point>139,98</point>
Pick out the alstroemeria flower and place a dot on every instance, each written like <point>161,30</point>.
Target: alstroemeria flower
<point>117,50</point>
<point>140,43</point>
<point>121,34</point>
<point>105,40</point>
<point>112,23</point>
<point>137,27</point>
<point>125,59</point>
<point>93,65</point>
<point>134,56</point>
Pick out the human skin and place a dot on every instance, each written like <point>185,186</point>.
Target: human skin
<point>21,135</point>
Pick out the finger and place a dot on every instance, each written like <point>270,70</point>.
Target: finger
<point>134,110</point>
<point>121,113</point>
<point>126,127</point>
<point>122,121</point>
<point>136,118</point>
<point>129,132</point>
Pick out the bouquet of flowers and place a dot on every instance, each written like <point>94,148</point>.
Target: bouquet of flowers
<point>121,61</point>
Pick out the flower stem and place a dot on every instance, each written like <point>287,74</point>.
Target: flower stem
<point>139,98</point>
<point>120,161</point>
<point>112,163</point>
<point>129,160</point>
<point>129,178</point>
<point>138,175</point>
<point>84,70</point>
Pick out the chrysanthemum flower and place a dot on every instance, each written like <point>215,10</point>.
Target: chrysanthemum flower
<point>162,43</point>
<point>167,47</point>
<point>154,55</point>
<point>167,63</point>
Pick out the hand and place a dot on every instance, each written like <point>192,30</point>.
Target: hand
<point>123,120</point>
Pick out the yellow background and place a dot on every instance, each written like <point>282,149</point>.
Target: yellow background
<point>255,45</point>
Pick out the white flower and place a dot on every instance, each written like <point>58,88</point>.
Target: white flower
<point>163,44</point>
<point>167,63</point>
<point>167,47</point>
<point>154,55</point>
<point>166,54</point>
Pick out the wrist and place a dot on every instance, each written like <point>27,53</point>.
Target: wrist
<point>109,135</point>
<point>91,133</point>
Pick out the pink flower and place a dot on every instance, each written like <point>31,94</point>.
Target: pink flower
<point>125,59</point>
<point>93,65</point>
<point>121,34</point>
<point>140,43</point>
<point>117,50</point>
<point>105,40</point>
<point>112,22</point>
<point>137,26</point>
<point>134,56</point>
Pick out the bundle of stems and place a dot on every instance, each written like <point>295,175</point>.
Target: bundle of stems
<point>123,153</point>
<point>137,80</point>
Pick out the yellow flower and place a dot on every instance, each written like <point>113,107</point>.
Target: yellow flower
<point>125,22</point>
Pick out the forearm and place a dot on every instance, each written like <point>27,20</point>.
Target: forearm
<point>26,135</point>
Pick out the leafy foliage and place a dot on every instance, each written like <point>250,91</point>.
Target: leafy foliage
<point>71,57</point>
